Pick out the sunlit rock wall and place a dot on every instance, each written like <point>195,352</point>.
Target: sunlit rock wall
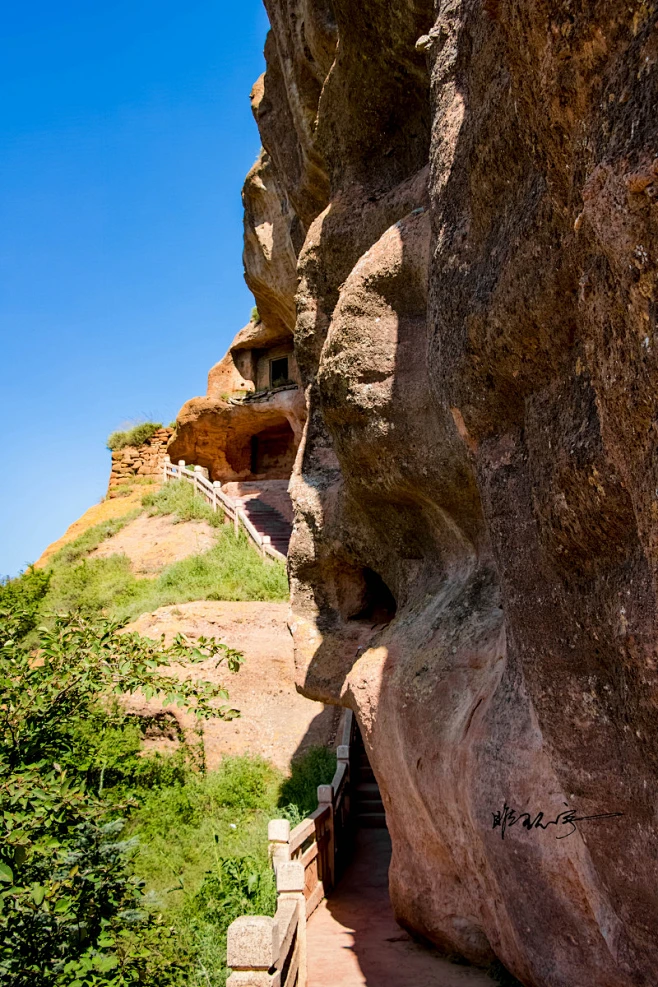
<point>473,197</point>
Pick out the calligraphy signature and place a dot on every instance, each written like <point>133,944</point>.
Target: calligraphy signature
<point>510,817</point>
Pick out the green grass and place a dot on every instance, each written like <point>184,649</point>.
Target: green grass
<point>177,498</point>
<point>127,487</point>
<point>89,540</point>
<point>231,570</point>
<point>134,436</point>
<point>300,789</point>
<point>203,845</point>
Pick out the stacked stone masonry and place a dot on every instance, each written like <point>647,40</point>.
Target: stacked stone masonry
<point>145,461</point>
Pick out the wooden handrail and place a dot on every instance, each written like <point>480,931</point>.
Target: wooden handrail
<point>215,496</point>
<point>306,861</point>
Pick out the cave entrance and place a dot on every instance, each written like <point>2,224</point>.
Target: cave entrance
<point>273,452</point>
<point>377,605</point>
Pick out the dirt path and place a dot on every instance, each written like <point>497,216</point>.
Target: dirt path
<point>276,721</point>
<point>152,543</point>
<point>354,940</point>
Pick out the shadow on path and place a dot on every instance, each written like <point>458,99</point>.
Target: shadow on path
<point>353,938</point>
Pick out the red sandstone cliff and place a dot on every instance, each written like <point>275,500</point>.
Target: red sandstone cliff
<point>471,196</point>
<point>456,214</point>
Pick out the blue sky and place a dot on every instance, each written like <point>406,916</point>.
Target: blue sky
<point>125,136</point>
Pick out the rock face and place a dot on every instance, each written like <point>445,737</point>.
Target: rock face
<point>472,194</point>
<point>249,424</point>
<point>275,722</point>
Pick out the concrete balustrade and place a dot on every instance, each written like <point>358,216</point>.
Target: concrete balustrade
<point>215,496</point>
<point>307,861</point>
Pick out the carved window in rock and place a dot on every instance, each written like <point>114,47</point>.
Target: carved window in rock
<point>279,372</point>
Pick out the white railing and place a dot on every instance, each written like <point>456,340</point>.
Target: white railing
<point>217,499</point>
<point>307,861</point>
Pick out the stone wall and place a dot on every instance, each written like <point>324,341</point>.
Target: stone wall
<point>144,461</point>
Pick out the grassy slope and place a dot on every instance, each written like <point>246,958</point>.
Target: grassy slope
<point>231,570</point>
<point>203,846</point>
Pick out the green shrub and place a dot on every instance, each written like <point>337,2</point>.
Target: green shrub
<point>135,436</point>
<point>24,596</point>
<point>244,783</point>
<point>204,846</point>
<point>71,910</point>
<point>255,317</point>
<point>315,767</point>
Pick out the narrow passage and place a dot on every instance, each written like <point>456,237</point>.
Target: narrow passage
<point>354,940</point>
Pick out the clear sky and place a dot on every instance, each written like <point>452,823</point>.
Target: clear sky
<point>125,133</point>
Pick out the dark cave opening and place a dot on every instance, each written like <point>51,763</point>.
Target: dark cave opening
<point>378,605</point>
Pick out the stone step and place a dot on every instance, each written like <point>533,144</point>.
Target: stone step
<point>368,789</point>
<point>268,521</point>
<point>372,820</point>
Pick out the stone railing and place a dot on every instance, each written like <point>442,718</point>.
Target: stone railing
<point>307,861</point>
<point>215,496</point>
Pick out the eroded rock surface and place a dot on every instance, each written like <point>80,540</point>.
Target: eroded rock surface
<point>473,566</point>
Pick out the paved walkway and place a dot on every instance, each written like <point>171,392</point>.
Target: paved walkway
<point>353,939</point>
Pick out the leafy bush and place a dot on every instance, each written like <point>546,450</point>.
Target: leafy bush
<point>135,436</point>
<point>244,783</point>
<point>69,906</point>
<point>236,885</point>
<point>255,317</point>
<point>178,498</point>
<point>24,596</point>
<point>315,767</point>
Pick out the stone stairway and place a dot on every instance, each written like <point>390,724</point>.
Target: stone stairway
<point>268,521</point>
<point>369,806</point>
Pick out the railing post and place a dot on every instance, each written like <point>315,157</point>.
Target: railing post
<point>343,757</point>
<point>215,487</point>
<point>278,839</point>
<point>326,799</point>
<point>252,949</point>
<point>167,465</point>
<point>264,543</point>
<point>236,520</point>
<point>290,884</point>
<point>197,473</point>
<point>181,467</point>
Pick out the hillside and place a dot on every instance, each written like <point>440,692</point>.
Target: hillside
<point>189,791</point>
<point>153,548</point>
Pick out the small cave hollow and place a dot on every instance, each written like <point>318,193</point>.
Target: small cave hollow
<point>273,451</point>
<point>266,454</point>
<point>377,605</point>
